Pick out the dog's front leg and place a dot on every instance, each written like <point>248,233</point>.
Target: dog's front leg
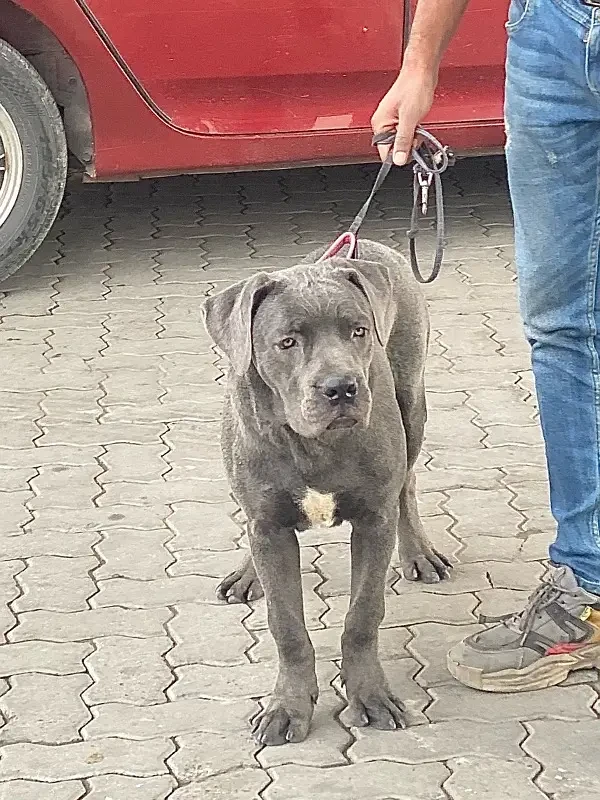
<point>370,701</point>
<point>276,556</point>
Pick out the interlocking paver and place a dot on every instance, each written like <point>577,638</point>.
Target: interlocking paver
<point>132,386</point>
<point>105,756</point>
<point>90,432</point>
<point>412,608</point>
<point>128,670</point>
<point>47,543</point>
<point>117,522</point>
<point>385,780</point>
<point>98,519</point>
<point>34,790</point>
<point>137,555</point>
<point>205,680</point>
<point>61,405</point>
<point>53,658</point>
<point>535,547</point>
<point>448,424</point>
<point>480,511</point>
<point>9,590</point>
<point>158,593</point>
<point>538,520</point>
<point>486,457</point>
<point>202,755</point>
<point>64,486</point>
<point>515,576</point>
<point>564,749</point>
<point>41,456</point>
<point>496,602</point>
<point>209,635</point>
<point>430,644</point>
<point>454,701</point>
<point>208,526</point>
<point>529,494</point>
<point>441,741</point>
<point>164,492</point>
<point>217,564</point>
<point>492,777</point>
<point>438,529</point>
<point>242,784</point>
<point>491,548</point>
<point>15,513</point>
<point>76,626</point>
<point>45,579</point>
<point>133,462</point>
<point>30,708</point>
<point>11,480</point>
<point>106,787</point>
<point>169,719</point>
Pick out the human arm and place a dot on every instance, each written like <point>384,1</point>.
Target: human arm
<point>411,95</point>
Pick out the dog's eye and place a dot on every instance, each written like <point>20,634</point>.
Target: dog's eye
<point>359,333</point>
<point>287,343</point>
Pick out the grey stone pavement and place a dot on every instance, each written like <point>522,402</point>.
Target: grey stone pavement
<point>121,675</point>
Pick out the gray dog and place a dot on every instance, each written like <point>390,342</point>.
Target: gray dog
<point>323,422</point>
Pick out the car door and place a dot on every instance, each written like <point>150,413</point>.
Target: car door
<point>255,66</point>
<point>471,81</point>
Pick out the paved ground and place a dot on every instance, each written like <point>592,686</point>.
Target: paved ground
<point>122,676</point>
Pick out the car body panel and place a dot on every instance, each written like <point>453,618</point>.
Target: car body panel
<point>240,84</point>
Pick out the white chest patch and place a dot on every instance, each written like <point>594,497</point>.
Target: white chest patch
<point>319,509</point>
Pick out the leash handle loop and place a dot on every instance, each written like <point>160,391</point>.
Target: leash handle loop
<point>431,159</point>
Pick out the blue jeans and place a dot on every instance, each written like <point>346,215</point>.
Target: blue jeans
<point>553,155</point>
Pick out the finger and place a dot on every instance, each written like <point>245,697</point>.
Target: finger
<point>384,151</point>
<point>403,143</point>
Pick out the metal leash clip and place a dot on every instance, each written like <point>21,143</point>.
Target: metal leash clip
<point>424,183</point>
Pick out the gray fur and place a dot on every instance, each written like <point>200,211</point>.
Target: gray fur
<point>278,444</point>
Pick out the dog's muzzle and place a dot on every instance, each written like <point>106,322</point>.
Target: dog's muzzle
<point>341,393</point>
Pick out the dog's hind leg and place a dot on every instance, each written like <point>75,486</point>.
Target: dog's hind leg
<point>242,585</point>
<point>418,558</point>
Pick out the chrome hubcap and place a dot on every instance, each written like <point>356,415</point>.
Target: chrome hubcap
<point>11,165</point>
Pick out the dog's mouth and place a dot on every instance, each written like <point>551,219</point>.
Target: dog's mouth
<point>340,423</point>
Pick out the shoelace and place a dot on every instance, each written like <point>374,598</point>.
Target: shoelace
<point>522,622</point>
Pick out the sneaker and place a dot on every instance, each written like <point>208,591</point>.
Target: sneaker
<point>559,631</point>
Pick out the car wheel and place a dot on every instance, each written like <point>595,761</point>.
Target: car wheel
<point>33,160</point>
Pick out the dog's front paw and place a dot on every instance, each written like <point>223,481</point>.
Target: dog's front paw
<point>376,706</point>
<point>284,720</point>
<point>424,563</point>
<point>241,586</point>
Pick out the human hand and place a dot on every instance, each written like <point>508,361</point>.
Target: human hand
<point>403,108</point>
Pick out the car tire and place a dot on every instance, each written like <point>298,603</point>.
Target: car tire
<point>33,160</point>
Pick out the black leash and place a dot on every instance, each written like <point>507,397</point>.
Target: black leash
<point>431,159</point>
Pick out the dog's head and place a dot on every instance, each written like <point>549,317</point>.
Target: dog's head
<point>310,333</point>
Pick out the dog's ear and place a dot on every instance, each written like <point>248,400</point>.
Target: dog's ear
<point>228,318</point>
<point>375,282</point>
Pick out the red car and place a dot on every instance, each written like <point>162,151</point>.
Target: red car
<point>135,88</point>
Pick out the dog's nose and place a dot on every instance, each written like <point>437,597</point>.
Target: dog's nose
<point>340,389</point>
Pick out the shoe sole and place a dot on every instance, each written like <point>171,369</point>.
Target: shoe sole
<point>546,671</point>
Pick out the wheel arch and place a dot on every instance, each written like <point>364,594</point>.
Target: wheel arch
<point>40,46</point>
